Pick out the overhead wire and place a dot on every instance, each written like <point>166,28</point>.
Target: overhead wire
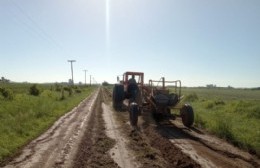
<point>36,28</point>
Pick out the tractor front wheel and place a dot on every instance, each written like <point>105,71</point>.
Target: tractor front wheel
<point>187,115</point>
<point>133,113</point>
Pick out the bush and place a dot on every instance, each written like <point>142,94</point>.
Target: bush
<point>62,95</point>
<point>191,97</point>
<point>34,90</point>
<point>69,90</point>
<point>58,87</point>
<point>209,104</point>
<point>78,91</point>
<point>7,93</point>
<point>105,83</point>
<point>47,93</point>
<point>220,102</point>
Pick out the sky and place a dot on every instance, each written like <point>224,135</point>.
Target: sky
<point>197,41</point>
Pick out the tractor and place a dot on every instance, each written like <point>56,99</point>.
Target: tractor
<point>155,96</point>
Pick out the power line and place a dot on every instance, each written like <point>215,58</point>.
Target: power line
<point>41,32</point>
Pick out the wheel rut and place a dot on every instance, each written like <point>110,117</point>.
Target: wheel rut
<point>94,147</point>
<point>206,149</point>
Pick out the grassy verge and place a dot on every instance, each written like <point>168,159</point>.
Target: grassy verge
<point>26,116</point>
<point>232,114</point>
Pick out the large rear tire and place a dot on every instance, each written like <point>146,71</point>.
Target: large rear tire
<point>133,113</point>
<point>118,96</point>
<point>187,115</point>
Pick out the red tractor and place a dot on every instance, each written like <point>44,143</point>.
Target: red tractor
<point>155,96</point>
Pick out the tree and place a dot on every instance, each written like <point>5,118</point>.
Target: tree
<point>105,83</point>
<point>34,90</point>
<point>4,80</point>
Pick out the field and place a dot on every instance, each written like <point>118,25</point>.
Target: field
<point>26,111</point>
<point>87,135</point>
<point>232,114</point>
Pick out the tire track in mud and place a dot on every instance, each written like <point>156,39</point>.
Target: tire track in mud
<point>57,145</point>
<point>207,150</point>
<point>94,147</point>
<point>172,154</point>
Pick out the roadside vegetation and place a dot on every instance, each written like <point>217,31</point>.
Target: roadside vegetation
<point>232,114</point>
<point>27,110</point>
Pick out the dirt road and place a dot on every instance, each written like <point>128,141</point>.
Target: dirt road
<point>94,135</point>
<point>58,145</point>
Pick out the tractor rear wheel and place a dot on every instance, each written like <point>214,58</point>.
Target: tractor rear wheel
<point>118,96</point>
<point>187,115</point>
<point>133,113</point>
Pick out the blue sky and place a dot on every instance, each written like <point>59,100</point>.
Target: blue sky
<point>197,41</point>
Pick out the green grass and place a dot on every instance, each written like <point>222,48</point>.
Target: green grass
<point>232,114</point>
<point>26,116</point>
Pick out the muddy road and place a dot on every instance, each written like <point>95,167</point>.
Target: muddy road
<point>94,135</point>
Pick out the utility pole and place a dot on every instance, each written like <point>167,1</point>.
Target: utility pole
<point>90,80</point>
<point>85,76</point>
<point>93,80</point>
<point>71,62</point>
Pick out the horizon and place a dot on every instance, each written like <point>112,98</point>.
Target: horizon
<point>80,83</point>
